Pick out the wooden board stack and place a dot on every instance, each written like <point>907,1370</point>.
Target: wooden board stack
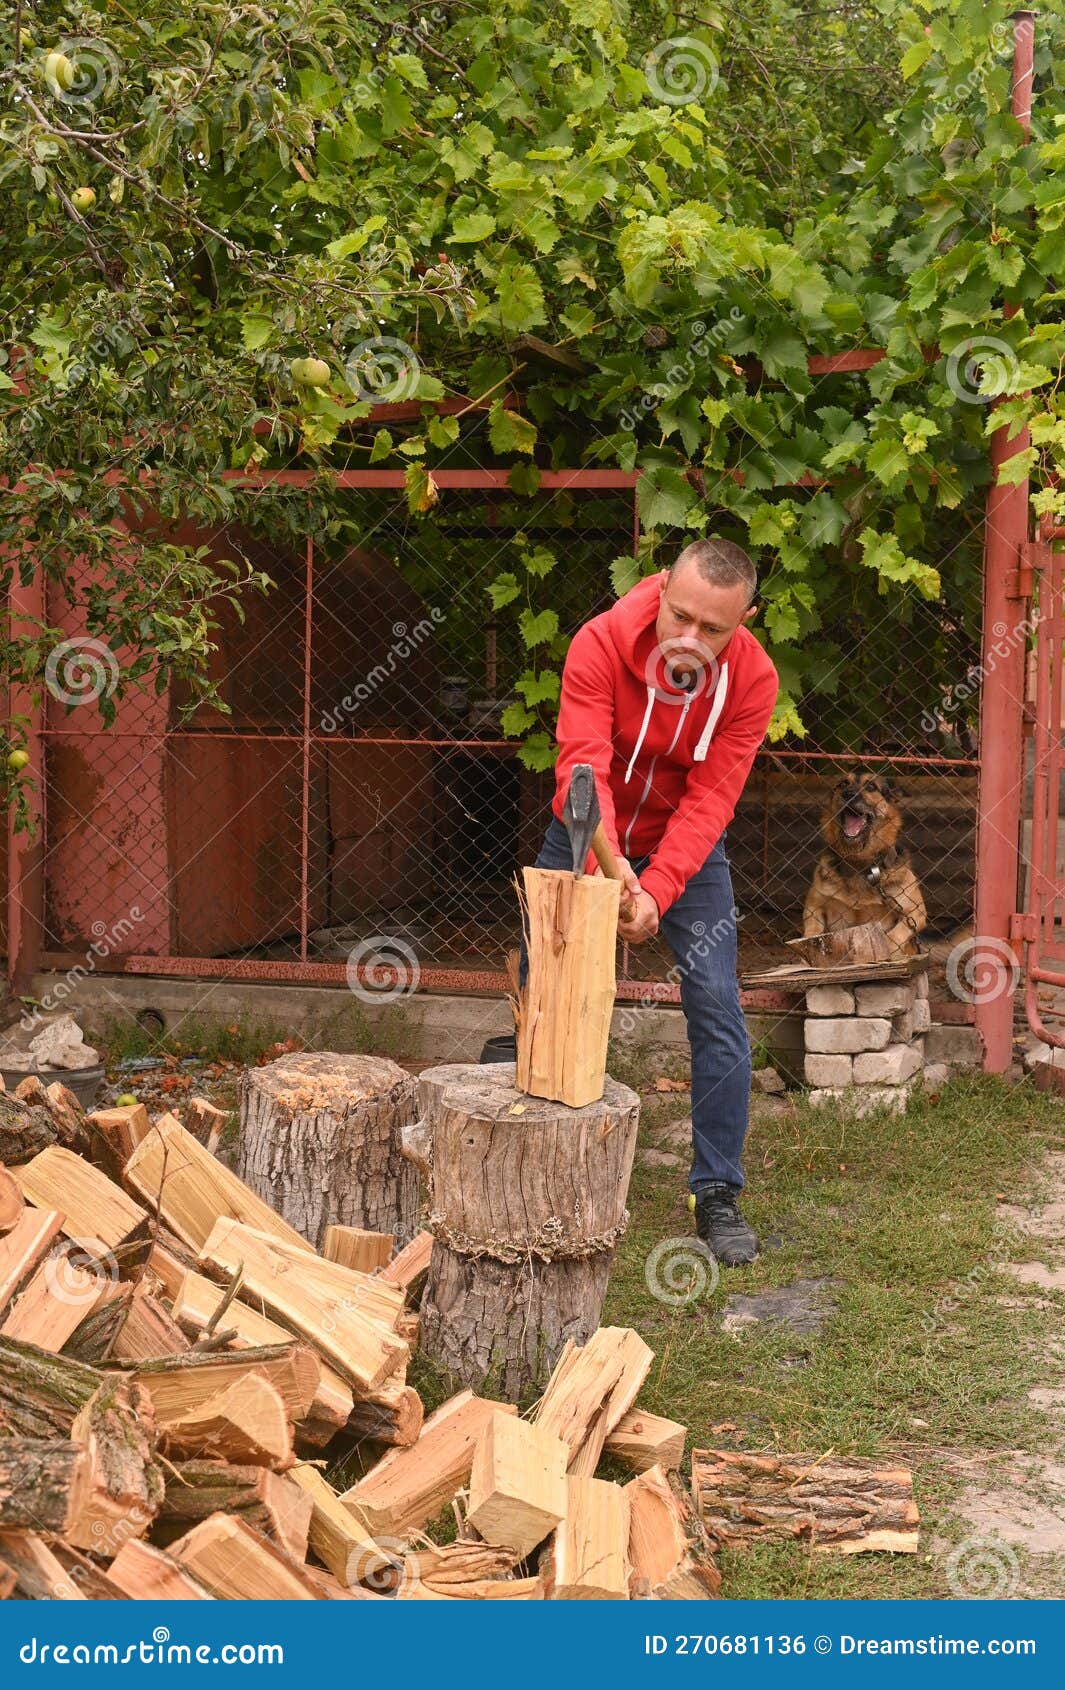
<point>175,1359</point>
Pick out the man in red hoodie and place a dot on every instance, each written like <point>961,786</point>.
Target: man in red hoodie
<point>668,695</point>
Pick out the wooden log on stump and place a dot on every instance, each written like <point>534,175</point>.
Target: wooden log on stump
<point>527,1201</point>
<point>320,1142</point>
<point>565,1006</point>
<point>848,1506</point>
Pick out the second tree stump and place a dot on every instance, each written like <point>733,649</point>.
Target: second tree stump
<point>320,1142</point>
<point>527,1203</point>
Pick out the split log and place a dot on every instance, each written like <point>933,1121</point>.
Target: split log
<point>565,1006</point>
<point>190,1189</point>
<point>393,1415</point>
<point>410,1265</point>
<point>95,1210</point>
<point>180,1385</point>
<point>643,1440</point>
<point>39,1576</point>
<point>121,1129</point>
<point>409,1487</point>
<point>244,1423</point>
<point>25,1130</point>
<point>195,1305</point>
<point>8,1575</point>
<point>843,1506</point>
<point>270,1502</point>
<point>336,1538</point>
<point>527,1202</point>
<point>587,1558</point>
<point>53,1303</point>
<point>671,1554</point>
<point>68,1115</point>
<point>118,1426</point>
<point>93,1337</point>
<point>517,1484</point>
<point>147,1575</point>
<point>12,1202</point>
<point>354,1248</point>
<point>43,1483</point>
<point>361,1293</point>
<point>590,1390</point>
<point>41,1394</point>
<point>95,1585</point>
<point>148,1329</point>
<point>362,1348</point>
<point>206,1122</point>
<point>238,1564</point>
<point>320,1139</point>
<point>24,1247</point>
<point>461,1568</point>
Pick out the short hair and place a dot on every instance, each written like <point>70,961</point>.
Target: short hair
<point>721,563</point>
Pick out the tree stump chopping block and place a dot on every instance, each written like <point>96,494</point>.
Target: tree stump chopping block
<point>527,1202</point>
<point>320,1142</point>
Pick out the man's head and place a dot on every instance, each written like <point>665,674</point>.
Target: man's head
<point>706,595</point>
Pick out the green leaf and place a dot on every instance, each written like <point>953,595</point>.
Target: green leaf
<point>515,720</point>
<point>540,561</point>
<point>382,446</point>
<point>520,296</point>
<point>539,628</point>
<point>255,332</point>
<point>474,226</point>
<point>664,497</point>
<point>503,590</point>
<point>543,688</point>
<point>539,753</point>
<point>509,432</point>
<point>624,574</point>
<point>915,56</point>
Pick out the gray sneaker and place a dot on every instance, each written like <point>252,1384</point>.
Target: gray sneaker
<point>721,1226</point>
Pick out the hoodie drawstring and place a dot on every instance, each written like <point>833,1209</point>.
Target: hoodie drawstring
<point>642,732</point>
<point>716,708</point>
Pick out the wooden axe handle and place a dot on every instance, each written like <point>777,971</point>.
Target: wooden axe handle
<point>607,861</point>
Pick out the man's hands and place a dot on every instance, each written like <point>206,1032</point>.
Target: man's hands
<point>644,922</point>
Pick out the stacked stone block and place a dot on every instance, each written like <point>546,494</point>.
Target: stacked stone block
<point>866,1042</point>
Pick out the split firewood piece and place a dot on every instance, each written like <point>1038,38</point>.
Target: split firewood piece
<point>95,1333</point>
<point>453,1567</point>
<point>40,1393</point>
<point>408,1487</point>
<point>238,1564</point>
<point>95,1210</point>
<point>39,1576</point>
<point>351,1554</point>
<point>121,1128</point>
<point>392,1415</point>
<point>170,1260</point>
<point>643,1440</point>
<point>361,1293</point>
<point>25,1130</point>
<point>846,1506</point>
<point>148,1329</point>
<point>24,1247</point>
<point>361,1348</point>
<point>12,1202</point>
<point>244,1423</point>
<point>334,1591</point>
<point>565,1006</point>
<point>271,1502</point>
<point>194,1306</point>
<point>410,1265</point>
<point>84,1572</point>
<point>43,1484</point>
<point>180,1385</point>
<point>672,1556</point>
<point>118,1425</point>
<point>353,1248</point>
<point>53,1303</point>
<point>190,1189</point>
<point>592,1387</point>
<point>587,1557</point>
<point>68,1115</point>
<point>146,1574</point>
<point>8,1575</point>
<point>517,1484</point>
<point>206,1122</point>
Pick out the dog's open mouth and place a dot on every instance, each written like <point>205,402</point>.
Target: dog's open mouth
<point>854,823</point>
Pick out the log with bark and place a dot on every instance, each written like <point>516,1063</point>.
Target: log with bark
<point>43,1482</point>
<point>320,1139</point>
<point>527,1202</point>
<point>846,1506</point>
<point>41,1394</point>
<point>25,1130</point>
<point>670,1551</point>
<point>118,1426</point>
<point>270,1502</point>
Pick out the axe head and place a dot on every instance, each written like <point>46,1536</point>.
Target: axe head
<point>580,813</point>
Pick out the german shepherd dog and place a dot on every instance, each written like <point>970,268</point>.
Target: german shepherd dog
<point>865,875</point>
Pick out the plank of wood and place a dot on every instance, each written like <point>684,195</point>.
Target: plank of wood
<point>95,1210</point>
<point>121,1128</point>
<point>410,1264</point>
<point>362,1349</point>
<point>671,1554</point>
<point>336,1538</point>
<point>587,1558</point>
<point>517,1484</point>
<point>591,1388</point>
<point>181,1384</point>
<point>52,1304</point>
<point>149,1329</point>
<point>147,1574</point>
<point>245,1422</point>
<point>353,1248</point>
<point>43,1483</point>
<point>39,1576</point>
<point>191,1189</point>
<point>643,1440</point>
<point>118,1426</point>
<point>238,1564</point>
<point>847,1507</point>
<point>24,1247</point>
<point>408,1487</point>
<point>12,1202</point>
<point>194,1304</point>
<point>271,1502</point>
<point>565,1006</point>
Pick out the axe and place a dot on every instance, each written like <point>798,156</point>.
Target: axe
<point>583,822</point>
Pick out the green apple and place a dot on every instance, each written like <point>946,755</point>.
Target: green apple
<point>58,71</point>
<point>17,760</point>
<point>309,372</point>
<point>126,1100</point>
<point>83,198</point>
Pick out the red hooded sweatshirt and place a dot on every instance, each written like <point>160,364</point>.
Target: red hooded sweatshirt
<point>669,765</point>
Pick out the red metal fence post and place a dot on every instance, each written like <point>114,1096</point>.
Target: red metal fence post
<point>1001,787</point>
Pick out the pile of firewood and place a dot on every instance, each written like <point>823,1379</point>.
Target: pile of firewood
<point>174,1360</point>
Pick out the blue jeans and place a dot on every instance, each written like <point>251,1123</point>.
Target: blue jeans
<point>700,929</point>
